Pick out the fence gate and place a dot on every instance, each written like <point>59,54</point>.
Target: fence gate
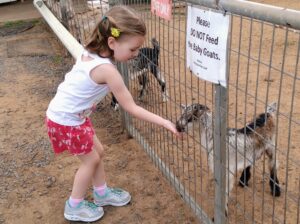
<point>261,67</point>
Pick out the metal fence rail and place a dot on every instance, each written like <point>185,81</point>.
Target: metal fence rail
<point>263,67</point>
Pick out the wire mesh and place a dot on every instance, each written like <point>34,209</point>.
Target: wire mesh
<point>264,68</point>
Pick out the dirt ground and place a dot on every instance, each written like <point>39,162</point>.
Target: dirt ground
<point>34,183</point>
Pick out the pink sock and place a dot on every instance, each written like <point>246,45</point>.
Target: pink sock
<point>100,189</point>
<point>74,202</point>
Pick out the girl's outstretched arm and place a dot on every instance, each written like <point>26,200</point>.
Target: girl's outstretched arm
<point>109,74</point>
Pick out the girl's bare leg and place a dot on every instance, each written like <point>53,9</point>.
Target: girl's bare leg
<point>114,197</point>
<point>85,173</point>
<point>99,175</point>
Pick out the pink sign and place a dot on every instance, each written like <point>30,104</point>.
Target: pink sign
<point>162,8</point>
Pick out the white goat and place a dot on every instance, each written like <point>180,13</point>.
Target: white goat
<point>245,145</point>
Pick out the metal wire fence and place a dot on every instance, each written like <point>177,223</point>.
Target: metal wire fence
<point>263,67</point>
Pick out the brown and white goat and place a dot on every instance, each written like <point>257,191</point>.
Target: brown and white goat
<point>245,145</point>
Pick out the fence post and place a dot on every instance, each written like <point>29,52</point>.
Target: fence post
<point>64,14</point>
<point>220,124</point>
<point>220,143</point>
<point>126,119</point>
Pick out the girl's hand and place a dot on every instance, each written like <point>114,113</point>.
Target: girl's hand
<point>172,127</point>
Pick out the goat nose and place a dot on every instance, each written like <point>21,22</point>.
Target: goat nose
<point>179,127</point>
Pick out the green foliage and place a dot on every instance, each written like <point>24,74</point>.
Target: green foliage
<point>57,59</point>
<point>18,23</point>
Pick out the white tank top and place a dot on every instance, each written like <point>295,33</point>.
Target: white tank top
<point>78,95</point>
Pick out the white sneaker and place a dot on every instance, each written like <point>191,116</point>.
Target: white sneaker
<point>112,196</point>
<point>85,212</point>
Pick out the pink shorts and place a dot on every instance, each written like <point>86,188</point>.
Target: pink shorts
<point>78,140</point>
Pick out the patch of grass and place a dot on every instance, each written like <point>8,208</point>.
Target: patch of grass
<point>10,24</point>
<point>18,23</point>
<point>57,59</point>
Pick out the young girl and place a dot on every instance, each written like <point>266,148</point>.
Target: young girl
<point>117,37</point>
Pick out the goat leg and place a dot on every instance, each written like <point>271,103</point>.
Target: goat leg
<point>143,80</point>
<point>114,103</point>
<point>161,81</point>
<point>245,177</point>
<point>274,184</point>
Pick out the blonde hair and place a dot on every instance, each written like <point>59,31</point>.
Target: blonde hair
<point>120,17</point>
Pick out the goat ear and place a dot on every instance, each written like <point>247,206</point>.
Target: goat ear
<point>155,42</point>
<point>183,107</point>
<point>272,107</point>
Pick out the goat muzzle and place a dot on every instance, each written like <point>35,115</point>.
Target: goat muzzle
<point>180,127</point>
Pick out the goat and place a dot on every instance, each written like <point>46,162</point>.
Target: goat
<point>147,60</point>
<point>251,141</point>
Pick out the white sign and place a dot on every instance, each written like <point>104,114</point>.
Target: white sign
<point>206,43</point>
